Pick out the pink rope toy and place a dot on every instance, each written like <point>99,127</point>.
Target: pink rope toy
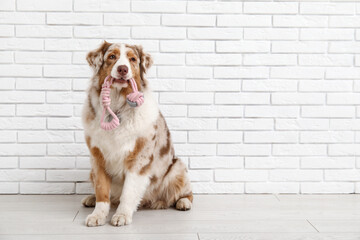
<point>134,99</point>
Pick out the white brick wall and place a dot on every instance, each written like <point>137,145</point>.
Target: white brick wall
<point>260,97</point>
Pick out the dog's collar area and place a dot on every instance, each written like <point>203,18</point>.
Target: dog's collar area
<point>134,99</point>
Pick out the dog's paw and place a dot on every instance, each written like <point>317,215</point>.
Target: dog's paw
<point>183,204</point>
<point>94,220</point>
<point>121,219</point>
<point>89,201</point>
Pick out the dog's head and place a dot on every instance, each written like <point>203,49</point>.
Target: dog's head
<point>122,62</point>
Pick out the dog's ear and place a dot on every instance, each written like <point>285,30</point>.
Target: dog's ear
<point>145,61</point>
<point>95,58</point>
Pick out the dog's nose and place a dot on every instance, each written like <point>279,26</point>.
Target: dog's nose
<point>122,69</point>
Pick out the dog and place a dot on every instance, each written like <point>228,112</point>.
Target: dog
<point>134,165</point>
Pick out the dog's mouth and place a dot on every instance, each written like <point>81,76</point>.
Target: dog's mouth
<point>120,80</point>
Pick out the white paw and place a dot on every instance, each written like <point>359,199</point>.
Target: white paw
<point>94,220</point>
<point>121,219</point>
<point>183,204</point>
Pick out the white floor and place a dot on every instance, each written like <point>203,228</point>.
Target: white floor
<point>246,217</point>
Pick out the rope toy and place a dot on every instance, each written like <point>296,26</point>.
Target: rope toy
<point>134,99</point>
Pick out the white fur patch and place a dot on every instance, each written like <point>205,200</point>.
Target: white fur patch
<point>99,215</point>
<point>123,60</point>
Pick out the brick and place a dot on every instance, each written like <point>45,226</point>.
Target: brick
<point>22,149</point>
<point>8,137</point>
<point>179,136</point>
<point>343,98</point>
<point>243,21</point>
<point>271,111</point>
<point>195,149</point>
<point>284,187</point>
<point>188,20</point>
<point>7,110</point>
<point>345,124</point>
<point>64,123</point>
<point>22,123</point>
<point>271,33</point>
<point>241,175</point>
<point>327,162</point>
<point>184,72</point>
<point>342,73</point>
<point>326,137</point>
<point>242,98</point>
<point>244,149</point>
<point>9,162</point>
<point>269,85</point>
<point>174,110</point>
<point>344,47</point>
<point>328,111</point>
<point>7,83</point>
<point>67,149</point>
<point>6,57</point>
<point>215,136</point>
<point>9,187</point>
<point>101,6</point>
<point>270,137</point>
<point>342,175</point>
<point>327,188</point>
<point>43,31</point>
<point>344,149</point>
<point>243,46</point>
<point>22,18</point>
<point>325,86</point>
<point>67,175</point>
<point>158,33</point>
<point>285,175</point>
<point>300,21</point>
<point>101,32</point>
<point>21,44</point>
<point>243,72</point>
<point>186,98</point>
<point>200,175</point>
<point>8,70</point>
<point>191,123</point>
<point>214,7</point>
<point>71,44</point>
<point>163,85</point>
<point>47,188</point>
<point>325,60</point>
<point>159,6</point>
<point>66,71</point>
<point>327,8</point>
<point>215,111</point>
<point>270,59</point>
<point>216,162</point>
<point>7,5</point>
<point>326,34</point>
<point>271,162</point>
<point>215,33</point>
<point>43,84</point>
<point>7,31</point>
<point>44,110</point>
<point>218,187</point>
<point>246,124</point>
<point>344,21</point>
<point>47,162</point>
<point>22,97</point>
<point>74,18</point>
<point>270,7</point>
<point>83,162</point>
<point>43,5</point>
<point>186,46</point>
<point>213,59</point>
<point>168,58</point>
<point>45,136</point>
<point>127,19</point>
<point>299,47</point>
<point>299,149</point>
<point>298,98</point>
<point>212,85</point>
<point>22,175</point>
<point>42,57</point>
<point>297,72</point>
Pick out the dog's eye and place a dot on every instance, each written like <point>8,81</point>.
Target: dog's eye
<point>112,56</point>
<point>133,59</point>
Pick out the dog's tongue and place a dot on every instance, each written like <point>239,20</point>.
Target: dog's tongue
<point>120,80</point>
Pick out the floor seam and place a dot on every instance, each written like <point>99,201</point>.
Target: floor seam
<point>198,236</point>
<point>312,225</point>
<point>76,215</point>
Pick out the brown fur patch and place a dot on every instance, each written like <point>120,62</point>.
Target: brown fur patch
<point>165,149</point>
<point>153,180</point>
<point>170,167</point>
<point>147,167</point>
<point>101,179</point>
<point>88,141</point>
<point>131,158</point>
<point>91,114</point>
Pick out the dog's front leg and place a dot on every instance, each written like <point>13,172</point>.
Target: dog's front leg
<point>102,182</point>
<point>132,193</point>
